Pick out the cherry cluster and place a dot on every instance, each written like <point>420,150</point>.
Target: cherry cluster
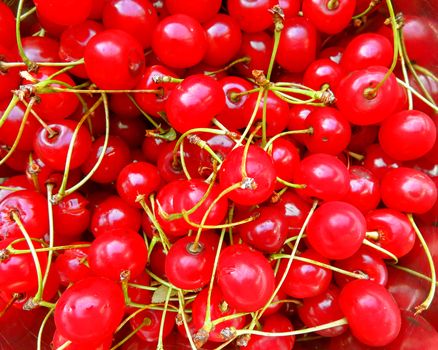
<point>208,174</point>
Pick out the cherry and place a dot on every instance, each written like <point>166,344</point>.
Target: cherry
<point>347,341</point>
<point>329,17</point>
<point>10,79</point>
<point>431,87</point>
<point>114,51</point>
<point>122,105</point>
<point>71,266</point>
<point>223,40</point>
<point>31,208</point>
<point>378,161</point>
<point>241,271</point>
<point>298,44</point>
<point>331,131</point>
<point>188,266</point>
<point>408,190</point>
<point>363,302</point>
<point>395,232</point>
<point>200,10</point>
<point>59,340</point>
<point>88,300</point>
<point>272,324</point>
<point>117,156</point>
<point>151,148</point>
<point>362,137</point>
<point>365,50</point>
<point>266,233</point>
<point>64,12</point>
<point>136,179</point>
<point>290,7</point>
<point>139,295</point>
<point>407,135</point>
<point>297,115</point>
<point>114,213</point>
<point>73,42</point>
<point>7,30</point>
<point>184,108</point>
<point>129,130</point>
<point>179,41</point>
<point>366,262</point>
<point>286,159</point>
<point>151,319</point>
<point>325,177</point>
<point>358,100</point>
<point>252,16</point>
<point>118,252</point>
<point>53,150</point>
<point>336,230</point>
<point>17,182</point>
<point>304,279</point>
<point>321,309</point>
<point>41,49</point>
<point>260,174</point>
<point>321,72</point>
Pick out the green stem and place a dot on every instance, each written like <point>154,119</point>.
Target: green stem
<point>18,34</point>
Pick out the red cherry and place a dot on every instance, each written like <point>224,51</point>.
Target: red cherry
<point>64,12</point>
<point>121,105</point>
<point>408,190</point>
<point>114,51</point>
<point>297,116</point>
<point>179,41</point>
<point>347,341</point>
<point>378,161</point>
<point>362,137</point>
<point>201,10</point>
<point>139,295</point>
<point>150,332</point>
<point>17,182</point>
<point>260,171</point>
<point>321,72</point>
<point>7,30</point>
<point>59,340</point>
<point>363,302</point>
<point>10,79</point>
<point>71,266</point>
<point>129,130</point>
<point>91,299</point>
<point>241,271</point>
<point>286,159</point>
<point>336,230</point>
<point>41,49</point>
<point>252,16</point>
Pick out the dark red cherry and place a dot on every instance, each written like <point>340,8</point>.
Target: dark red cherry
<point>336,230</point>
<point>408,190</point>
<point>179,41</point>
<point>252,15</point>
<point>117,156</point>
<point>131,131</point>
<point>363,302</point>
<point>347,341</point>
<point>91,299</point>
<point>64,13</point>
<point>122,105</point>
<point>41,48</point>
<point>298,44</point>
<point>152,320</point>
<point>31,208</point>
<point>117,52</point>
<point>53,150</point>
<point>71,265</point>
<point>329,17</point>
<point>135,17</point>
<point>201,10</point>
<point>321,309</point>
<point>257,184</point>
<point>137,179</point>
<point>241,271</point>
<point>321,72</point>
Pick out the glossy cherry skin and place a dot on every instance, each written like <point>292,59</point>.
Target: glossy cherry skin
<point>272,324</point>
<point>91,299</point>
<point>114,51</point>
<point>139,295</point>
<point>331,131</point>
<point>194,103</point>
<point>325,177</point>
<point>136,179</point>
<point>59,340</point>
<point>408,190</point>
<point>286,159</point>
<point>378,161</point>
<point>362,137</point>
<point>365,261</point>
<point>129,130</point>
<point>53,150</point>
<point>201,10</point>
<point>240,272</point>
<point>136,17</point>
<point>304,279</point>
<point>73,42</point>
<point>31,208</point>
<point>364,191</point>
<point>357,105</point>
<point>150,333</point>
<point>363,302</point>
<point>298,44</point>
<point>259,167</point>
<point>407,135</point>
<point>189,268</point>
<point>113,212</point>
<point>322,309</point>
<point>7,30</point>
<point>329,20</point>
<point>252,16</point>
<point>297,115</point>
<point>117,156</point>
<point>336,230</point>
<point>16,182</point>
<point>41,49</point>
<point>154,103</point>
<point>18,271</point>
<point>121,105</point>
<point>179,41</point>
<point>223,40</point>
<point>64,12</point>
<point>365,50</point>
<point>71,266</point>
<point>268,232</point>
<point>323,71</point>
<point>9,80</point>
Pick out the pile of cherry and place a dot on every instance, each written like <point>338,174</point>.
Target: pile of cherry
<point>218,174</point>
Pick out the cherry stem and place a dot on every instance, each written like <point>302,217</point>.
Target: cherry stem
<point>290,184</point>
<point>65,345</point>
<point>147,116</point>
<point>373,235</point>
<point>355,155</point>
<point>278,19</point>
<point>7,65</point>
<point>221,226</point>
<point>15,296</point>
<point>42,326</point>
<point>234,96</point>
<point>160,345</point>
<point>245,178</point>
<point>12,189</point>
<point>371,5</point>
<point>18,34</point>
<point>184,319</point>
<point>159,79</point>
<point>14,100</point>
<point>380,249</point>
<point>146,322</point>
<point>332,4</point>
<point>42,122</point>
<point>403,64</point>
<point>417,94</point>
<point>413,273</point>
<point>228,66</point>
<point>14,251</point>
<point>426,303</point>
<point>268,146</point>
<point>140,286</point>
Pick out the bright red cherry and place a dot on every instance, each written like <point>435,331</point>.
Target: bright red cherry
<point>201,10</point>
<point>7,29</point>
<point>378,161</point>
<point>364,191</point>
<point>10,79</point>
<point>179,41</point>
<point>258,47</point>
<point>64,12</point>
<point>363,302</point>
<point>117,52</point>
<point>41,48</point>
<point>59,340</point>
<point>321,72</point>
<point>151,319</point>
<point>286,159</point>
<point>71,265</point>
<point>252,15</point>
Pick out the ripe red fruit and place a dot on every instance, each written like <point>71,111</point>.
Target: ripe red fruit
<point>64,12</point>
